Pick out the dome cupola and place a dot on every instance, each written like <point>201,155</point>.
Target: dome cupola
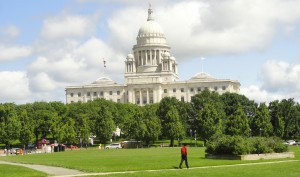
<point>150,32</point>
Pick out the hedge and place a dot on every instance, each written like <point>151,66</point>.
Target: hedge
<point>238,145</point>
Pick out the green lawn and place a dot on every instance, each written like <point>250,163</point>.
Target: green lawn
<point>94,160</point>
<point>18,171</point>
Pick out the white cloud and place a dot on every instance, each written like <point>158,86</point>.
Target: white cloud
<point>197,28</point>
<point>65,26</point>
<point>13,52</point>
<point>280,80</point>
<point>42,82</point>
<point>14,87</point>
<point>281,76</point>
<point>255,93</point>
<point>12,31</point>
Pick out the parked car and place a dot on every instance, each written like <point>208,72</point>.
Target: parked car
<point>14,150</point>
<point>291,142</point>
<point>114,146</point>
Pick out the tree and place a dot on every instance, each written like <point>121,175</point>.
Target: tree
<point>231,101</point>
<point>26,128</point>
<point>261,124</point>
<point>69,131</point>
<point>173,126</point>
<point>291,116</point>
<point>276,119</point>
<point>9,124</point>
<point>56,127</point>
<point>41,114</point>
<point>210,122</point>
<point>167,106</point>
<point>237,123</point>
<point>103,124</point>
<point>83,127</point>
<point>152,122</point>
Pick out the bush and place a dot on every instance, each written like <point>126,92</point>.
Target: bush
<point>225,144</point>
<point>238,145</point>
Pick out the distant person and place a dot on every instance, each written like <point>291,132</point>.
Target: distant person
<point>184,156</point>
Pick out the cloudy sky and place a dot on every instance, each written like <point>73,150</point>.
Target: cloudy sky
<point>50,44</point>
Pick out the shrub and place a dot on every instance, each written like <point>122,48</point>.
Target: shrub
<point>225,144</point>
<point>238,145</point>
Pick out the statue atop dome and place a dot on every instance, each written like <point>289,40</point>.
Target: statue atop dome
<point>150,13</point>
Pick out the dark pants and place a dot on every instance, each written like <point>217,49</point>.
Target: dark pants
<point>184,158</point>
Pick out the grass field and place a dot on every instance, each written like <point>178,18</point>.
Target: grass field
<point>17,171</point>
<point>94,160</point>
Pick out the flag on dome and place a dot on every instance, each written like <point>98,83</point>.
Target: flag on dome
<point>104,63</point>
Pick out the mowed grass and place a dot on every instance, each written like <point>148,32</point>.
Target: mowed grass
<point>94,160</point>
<point>18,171</point>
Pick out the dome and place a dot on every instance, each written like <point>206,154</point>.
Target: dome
<point>172,58</point>
<point>103,81</point>
<point>202,75</point>
<point>129,56</point>
<point>166,54</point>
<point>150,28</point>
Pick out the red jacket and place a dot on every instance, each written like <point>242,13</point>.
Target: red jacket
<point>184,150</point>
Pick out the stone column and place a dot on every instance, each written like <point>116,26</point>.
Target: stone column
<point>148,95</point>
<point>141,97</point>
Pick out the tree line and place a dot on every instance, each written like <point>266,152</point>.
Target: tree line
<point>206,115</point>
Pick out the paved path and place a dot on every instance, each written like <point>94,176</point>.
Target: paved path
<point>64,172</point>
<point>56,171</point>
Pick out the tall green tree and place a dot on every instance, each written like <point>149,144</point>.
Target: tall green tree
<point>276,119</point>
<point>26,128</point>
<point>152,122</point>
<point>173,126</point>
<point>56,127</point>
<point>9,124</point>
<point>103,124</point>
<point>41,114</point>
<point>69,131</point>
<point>210,122</point>
<point>261,124</point>
<point>291,116</point>
<point>167,106</point>
<point>237,123</point>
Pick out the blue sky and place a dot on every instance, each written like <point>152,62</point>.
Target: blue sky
<point>50,44</point>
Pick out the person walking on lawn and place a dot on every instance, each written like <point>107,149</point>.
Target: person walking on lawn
<point>184,156</point>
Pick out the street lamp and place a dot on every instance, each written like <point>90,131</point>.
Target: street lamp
<point>191,133</point>
<point>195,138</point>
<point>260,129</point>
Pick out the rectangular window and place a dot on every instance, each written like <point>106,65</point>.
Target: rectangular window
<point>95,93</point>
<point>182,89</point>
<point>88,94</point>
<point>224,88</point>
<point>119,101</point>
<point>118,92</point>
<point>199,89</point>
<point>110,92</point>
<point>72,94</point>
<point>79,94</point>
<point>216,88</point>
<point>192,89</point>
<point>101,93</point>
<point>182,98</point>
<point>174,90</point>
<point>165,91</point>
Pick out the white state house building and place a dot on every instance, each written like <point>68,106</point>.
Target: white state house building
<point>151,73</point>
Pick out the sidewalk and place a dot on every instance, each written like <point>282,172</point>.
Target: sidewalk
<point>53,171</point>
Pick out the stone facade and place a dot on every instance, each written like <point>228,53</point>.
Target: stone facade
<point>151,73</point>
